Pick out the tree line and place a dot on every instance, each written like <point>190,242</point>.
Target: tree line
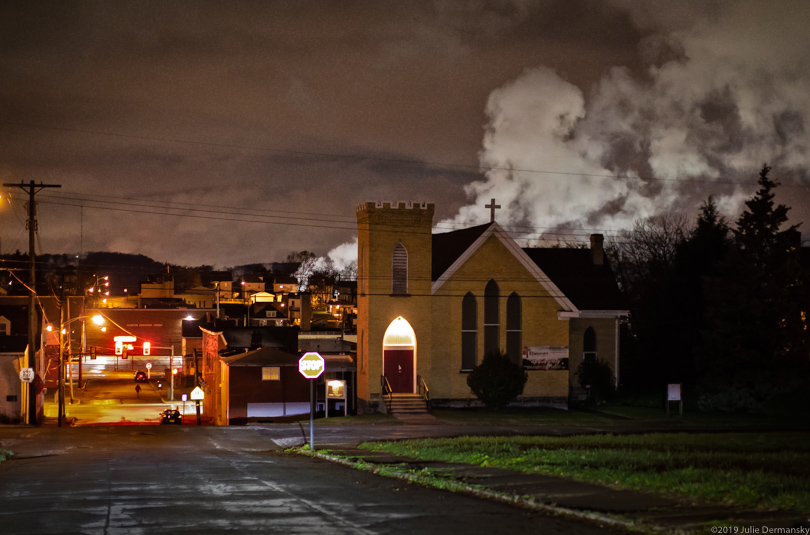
<point>720,308</point>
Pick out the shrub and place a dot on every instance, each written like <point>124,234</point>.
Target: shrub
<point>497,381</point>
<point>597,376</point>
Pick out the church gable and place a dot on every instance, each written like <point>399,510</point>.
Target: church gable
<point>480,237</point>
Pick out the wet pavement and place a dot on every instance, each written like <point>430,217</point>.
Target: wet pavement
<point>560,497</point>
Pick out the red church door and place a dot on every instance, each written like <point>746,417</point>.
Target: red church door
<point>398,369</point>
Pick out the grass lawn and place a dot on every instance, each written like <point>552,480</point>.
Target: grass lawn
<point>610,414</point>
<point>748,469</point>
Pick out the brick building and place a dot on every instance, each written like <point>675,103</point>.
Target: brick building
<point>430,306</point>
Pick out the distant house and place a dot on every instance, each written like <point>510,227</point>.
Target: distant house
<point>285,284</point>
<point>12,360</point>
<point>268,315</point>
<point>219,342</point>
<point>263,383</point>
<point>199,297</point>
<point>14,319</point>
<point>163,288</point>
<point>251,373</point>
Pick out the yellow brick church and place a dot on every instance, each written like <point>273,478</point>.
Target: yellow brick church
<point>430,306</point>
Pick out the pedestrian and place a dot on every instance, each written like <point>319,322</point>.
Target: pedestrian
<point>138,390</point>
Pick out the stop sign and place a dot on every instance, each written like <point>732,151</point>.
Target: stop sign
<point>311,365</point>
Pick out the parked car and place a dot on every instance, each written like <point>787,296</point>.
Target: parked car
<point>140,376</point>
<point>171,416</point>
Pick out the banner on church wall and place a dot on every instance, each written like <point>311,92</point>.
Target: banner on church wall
<point>545,358</point>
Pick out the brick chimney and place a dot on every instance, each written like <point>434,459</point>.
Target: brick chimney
<point>597,249</point>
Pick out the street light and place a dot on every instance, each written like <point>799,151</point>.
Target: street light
<point>98,319</point>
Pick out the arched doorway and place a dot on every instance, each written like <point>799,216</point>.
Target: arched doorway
<point>399,356</point>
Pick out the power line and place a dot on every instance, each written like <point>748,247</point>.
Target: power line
<point>364,157</point>
<point>348,222</point>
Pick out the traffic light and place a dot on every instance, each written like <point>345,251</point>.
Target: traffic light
<point>93,353</point>
<point>124,353</point>
<point>147,349</point>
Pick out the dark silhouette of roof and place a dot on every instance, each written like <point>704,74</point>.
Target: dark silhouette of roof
<point>589,286</point>
<point>13,343</point>
<point>448,246</point>
<point>266,356</point>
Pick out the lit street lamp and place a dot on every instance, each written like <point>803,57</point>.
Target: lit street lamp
<point>98,319</point>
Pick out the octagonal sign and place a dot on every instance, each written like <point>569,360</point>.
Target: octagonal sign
<point>311,365</point>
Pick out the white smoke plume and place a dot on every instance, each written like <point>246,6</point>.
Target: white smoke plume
<point>344,259</point>
<point>720,95</point>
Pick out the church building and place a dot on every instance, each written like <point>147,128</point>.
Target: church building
<point>430,306</point>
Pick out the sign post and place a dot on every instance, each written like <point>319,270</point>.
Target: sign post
<point>336,389</point>
<point>311,366</point>
<point>674,394</point>
<point>197,395</point>
<point>27,375</point>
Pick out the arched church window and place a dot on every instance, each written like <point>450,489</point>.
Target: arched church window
<point>514,329</point>
<point>589,345</point>
<point>492,326</point>
<point>399,283</point>
<point>469,332</point>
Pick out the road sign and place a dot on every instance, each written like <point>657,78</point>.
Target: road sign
<point>27,375</point>
<point>311,365</point>
<point>148,365</point>
<point>197,394</point>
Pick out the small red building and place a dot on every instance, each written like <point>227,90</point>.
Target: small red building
<point>264,383</point>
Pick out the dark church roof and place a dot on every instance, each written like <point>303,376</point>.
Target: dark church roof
<point>448,246</point>
<point>588,286</point>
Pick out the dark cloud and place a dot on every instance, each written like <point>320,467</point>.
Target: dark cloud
<point>298,111</point>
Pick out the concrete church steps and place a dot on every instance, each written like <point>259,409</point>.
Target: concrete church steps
<point>406,404</point>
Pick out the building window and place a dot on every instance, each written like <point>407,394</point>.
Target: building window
<point>469,332</point>
<point>492,326</point>
<point>271,373</point>
<point>514,334</point>
<point>589,345</point>
<point>399,281</point>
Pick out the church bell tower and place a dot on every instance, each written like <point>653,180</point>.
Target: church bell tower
<point>394,324</point>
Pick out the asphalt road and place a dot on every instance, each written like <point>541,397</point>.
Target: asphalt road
<point>188,479</point>
<point>110,398</point>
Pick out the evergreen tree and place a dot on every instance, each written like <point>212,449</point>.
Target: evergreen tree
<point>697,260</point>
<point>750,348</point>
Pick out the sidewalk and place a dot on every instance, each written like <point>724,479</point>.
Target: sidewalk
<point>627,509</point>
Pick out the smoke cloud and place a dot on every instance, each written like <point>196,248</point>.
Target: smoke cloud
<point>717,97</point>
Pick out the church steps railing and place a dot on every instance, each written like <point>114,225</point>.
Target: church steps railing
<point>424,391</point>
<point>386,387</point>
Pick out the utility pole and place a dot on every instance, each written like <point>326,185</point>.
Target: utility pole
<point>32,189</point>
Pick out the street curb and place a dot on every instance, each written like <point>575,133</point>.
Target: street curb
<point>509,499</point>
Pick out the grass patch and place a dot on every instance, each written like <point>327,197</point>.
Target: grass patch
<point>609,414</point>
<point>746,469</point>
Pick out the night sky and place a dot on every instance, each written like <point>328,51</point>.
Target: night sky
<point>227,133</point>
